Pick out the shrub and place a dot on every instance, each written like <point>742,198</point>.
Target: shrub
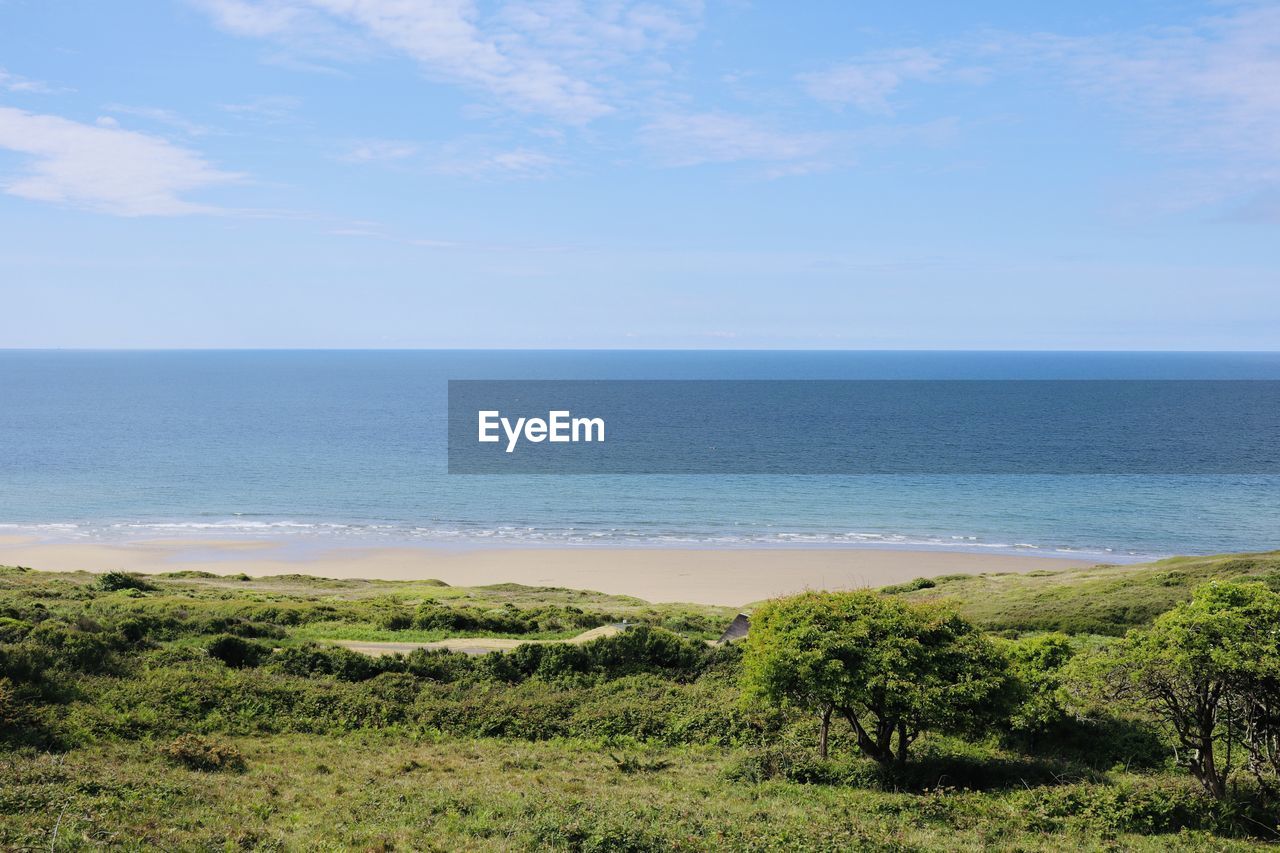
<point>12,630</point>
<point>113,581</point>
<point>548,661</point>
<point>1036,665</point>
<point>790,764</point>
<point>237,652</point>
<point>909,586</point>
<point>394,620</point>
<point>71,648</point>
<point>343,664</point>
<point>438,617</point>
<point>1144,807</point>
<point>202,753</point>
<point>12,712</point>
<point>645,649</point>
<point>439,664</point>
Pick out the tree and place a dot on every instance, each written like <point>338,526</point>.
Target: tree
<point>890,669</point>
<point>1208,669</point>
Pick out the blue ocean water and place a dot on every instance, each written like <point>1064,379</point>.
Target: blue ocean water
<point>350,446</point>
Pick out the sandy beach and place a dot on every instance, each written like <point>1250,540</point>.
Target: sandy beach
<point>730,577</point>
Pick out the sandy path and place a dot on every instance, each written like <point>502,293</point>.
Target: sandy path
<point>467,645</point>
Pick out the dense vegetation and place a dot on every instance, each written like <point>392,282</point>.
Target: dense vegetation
<point>993,711</point>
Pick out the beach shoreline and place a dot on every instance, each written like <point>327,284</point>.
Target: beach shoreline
<point>716,576</point>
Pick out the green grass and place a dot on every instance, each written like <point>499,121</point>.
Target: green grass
<point>462,754</point>
<point>388,792</point>
<point>1098,600</point>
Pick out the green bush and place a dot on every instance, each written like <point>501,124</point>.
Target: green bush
<point>792,764</point>
<point>237,652</point>
<point>645,649</point>
<point>909,586</point>
<point>114,581</point>
<point>73,648</point>
<point>439,664</point>
<point>1036,667</point>
<point>1147,807</point>
<point>343,664</point>
<point>13,630</point>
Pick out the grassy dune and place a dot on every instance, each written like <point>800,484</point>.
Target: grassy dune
<point>1099,600</point>
<point>196,712</point>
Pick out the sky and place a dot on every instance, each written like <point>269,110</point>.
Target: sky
<point>651,174</point>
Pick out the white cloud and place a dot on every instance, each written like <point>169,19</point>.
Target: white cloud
<point>469,161</point>
<point>379,151</point>
<point>867,82</point>
<point>168,118</point>
<point>1214,85</point>
<point>271,109</point>
<point>14,83</point>
<point>253,19</point>
<point>103,168</point>
<point>691,139</point>
<point>1206,95</point>
<point>537,56</point>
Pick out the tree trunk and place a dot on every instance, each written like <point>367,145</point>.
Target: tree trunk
<point>1204,767</point>
<point>903,743</point>
<point>879,748</point>
<point>823,732</point>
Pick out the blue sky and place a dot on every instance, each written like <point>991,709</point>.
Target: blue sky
<point>664,173</point>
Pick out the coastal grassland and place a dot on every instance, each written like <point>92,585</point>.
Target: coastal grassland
<point>386,791</point>
<point>311,608</point>
<point>192,711</point>
<point>1105,599</point>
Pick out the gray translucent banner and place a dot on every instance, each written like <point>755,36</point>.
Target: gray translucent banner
<point>947,427</point>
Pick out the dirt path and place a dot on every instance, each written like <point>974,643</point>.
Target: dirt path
<point>468,645</point>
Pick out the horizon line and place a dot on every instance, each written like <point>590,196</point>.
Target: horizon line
<point>652,349</point>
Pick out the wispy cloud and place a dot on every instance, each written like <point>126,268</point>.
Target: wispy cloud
<point>269,109</point>
<point>867,82</point>
<point>691,139</point>
<point>469,161</point>
<point>548,57</point>
<point>168,118</point>
<point>14,83</point>
<point>379,151</point>
<point>1213,86</point>
<point>103,167</point>
<point>1206,94</point>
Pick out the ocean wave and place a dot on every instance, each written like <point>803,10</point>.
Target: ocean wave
<point>462,534</point>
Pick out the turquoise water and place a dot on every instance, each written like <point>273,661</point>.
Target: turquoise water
<point>350,446</point>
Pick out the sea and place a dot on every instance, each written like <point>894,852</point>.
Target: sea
<point>349,447</point>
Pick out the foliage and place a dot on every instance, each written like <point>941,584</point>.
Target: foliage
<point>236,651</point>
<point>640,740</point>
<point>890,669</point>
<point>1036,665</point>
<point>1209,669</point>
<point>114,581</point>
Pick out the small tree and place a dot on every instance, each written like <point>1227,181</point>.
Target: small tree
<point>1036,665</point>
<point>890,669</point>
<point>1208,669</point>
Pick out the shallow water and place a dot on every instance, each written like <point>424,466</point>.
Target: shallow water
<point>351,446</point>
